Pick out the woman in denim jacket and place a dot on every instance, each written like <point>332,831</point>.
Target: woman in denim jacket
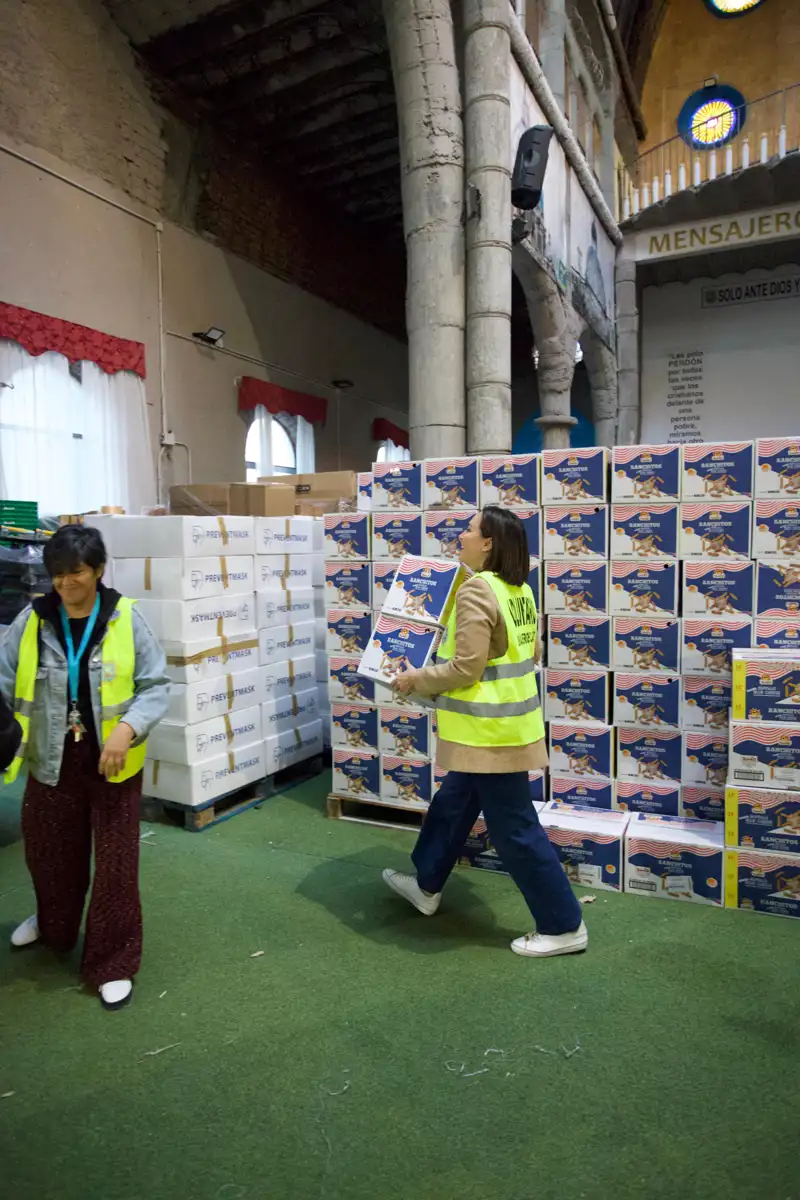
<point>86,706</point>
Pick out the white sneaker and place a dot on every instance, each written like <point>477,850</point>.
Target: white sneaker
<point>546,945</point>
<point>26,934</point>
<point>407,887</point>
<point>116,994</point>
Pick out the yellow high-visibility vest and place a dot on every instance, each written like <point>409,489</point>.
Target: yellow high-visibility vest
<point>116,687</point>
<point>503,707</point>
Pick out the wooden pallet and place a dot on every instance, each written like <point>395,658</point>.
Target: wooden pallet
<point>372,812</point>
<point>197,817</point>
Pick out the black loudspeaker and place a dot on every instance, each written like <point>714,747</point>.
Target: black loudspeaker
<point>527,177</point>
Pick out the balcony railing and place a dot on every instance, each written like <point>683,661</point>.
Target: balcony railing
<point>770,128</point>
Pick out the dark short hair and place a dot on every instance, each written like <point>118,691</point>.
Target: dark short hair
<point>508,557</point>
<point>74,546</point>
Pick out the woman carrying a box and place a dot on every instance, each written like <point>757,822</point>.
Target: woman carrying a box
<point>491,734</point>
<point>87,681</point>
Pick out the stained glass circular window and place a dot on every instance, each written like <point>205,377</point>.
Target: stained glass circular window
<point>732,8</point>
<point>712,116</point>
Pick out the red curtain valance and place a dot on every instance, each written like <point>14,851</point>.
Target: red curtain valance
<point>383,430</point>
<point>277,399</point>
<point>39,334</point>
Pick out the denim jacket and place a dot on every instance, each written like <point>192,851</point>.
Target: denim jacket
<point>48,716</point>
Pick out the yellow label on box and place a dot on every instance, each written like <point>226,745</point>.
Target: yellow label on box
<point>731,816</point>
<point>739,692</point>
<point>731,878</point>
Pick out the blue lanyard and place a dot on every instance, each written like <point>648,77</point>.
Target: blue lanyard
<point>73,659</point>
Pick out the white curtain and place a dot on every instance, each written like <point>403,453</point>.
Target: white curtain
<point>72,444</point>
<point>389,452</point>
<point>258,448</point>
<point>305,454</point>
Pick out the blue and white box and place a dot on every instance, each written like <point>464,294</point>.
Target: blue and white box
<point>649,701</point>
<point>647,644</point>
<point>718,471</point>
<point>641,533</point>
<point>345,683</point>
<point>394,535</point>
<point>643,589</point>
<point>354,726</point>
<point>705,758</point>
<point>404,732</point>
<point>778,588</point>
<point>396,645</point>
<point>574,475</point>
<point>778,467</point>
<point>532,521</point>
<point>510,480</point>
<point>716,531</point>
<point>777,633</point>
<point>589,842</point>
<point>577,532</point>
<point>640,796</point>
<point>717,589</point>
<point>582,750</point>
<point>442,532</point>
<point>701,803</point>
<point>347,630</point>
<point>364,491</point>
<point>651,754</point>
<point>762,819</point>
<point>424,590</point>
<point>406,782</point>
<point>579,587</point>
<point>535,581</point>
<point>765,754</point>
<point>705,702</point>
<point>674,859</point>
<point>766,688</point>
<point>709,645</point>
<point>347,535</point>
<point>576,696</point>
<point>650,473</point>
<point>588,793</point>
<point>383,574</point>
<point>758,881</point>
<point>451,482</point>
<point>574,642</point>
<point>776,529</point>
<point>348,585</point>
<point>396,486</point>
<point>356,774</point>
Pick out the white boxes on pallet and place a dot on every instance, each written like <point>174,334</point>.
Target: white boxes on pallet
<point>291,641</point>
<point>575,475</point>
<point>776,529</point>
<point>649,473</point>
<point>356,774</point>
<point>717,470</point>
<point>276,572</point>
<point>288,676</point>
<point>193,702</point>
<point>354,725</point>
<point>288,535</point>
<point>192,744</point>
<point>201,784</point>
<point>190,620</point>
<point>777,467</point>
<point>183,578</point>
<point>405,732</point>
<point>280,714</point>
<point>643,589</point>
<point>274,609</point>
<point>673,858</point>
<point>176,537</point>
<point>292,746</point>
<point>208,657</point>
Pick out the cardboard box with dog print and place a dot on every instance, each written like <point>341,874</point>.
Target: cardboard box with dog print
<point>424,590</point>
<point>406,782</point>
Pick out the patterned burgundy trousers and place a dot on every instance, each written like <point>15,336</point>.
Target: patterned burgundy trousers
<point>59,824</point>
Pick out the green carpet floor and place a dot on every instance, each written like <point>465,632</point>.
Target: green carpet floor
<point>330,1067</point>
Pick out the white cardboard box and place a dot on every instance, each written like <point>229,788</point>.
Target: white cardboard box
<point>778,467</point>
<point>348,630</point>
<point>396,486</point>
<point>451,482</point>
<point>345,683</point>
<point>709,644</point>
<point>576,695</point>
<point>183,578</point>
<point>348,585</point>
<point>281,714</point>
<point>649,473</point>
<point>764,754</point>
<point>176,537</point>
<point>776,529</point>
<point>289,676</point>
<point>276,572</point>
<point>424,590</point>
<point>577,586</point>
<point>649,701</point>
<point>705,702</point>
<point>441,535</point>
<point>210,656</point>
<point>193,702</point>
<point>716,530</point>
<point>643,589</point>
<point>274,609</point>
<point>717,471</point>
<point>192,744</point>
<point>347,535</point>
<point>356,774</point>
<point>575,475</point>
<point>712,588</point>
<point>354,725</point>
<point>588,793</point>
<point>191,620</point>
<point>290,641</point>
<point>585,750</point>
<point>579,531</point>
<point>288,535</point>
<point>653,755</point>
<point>396,644</point>
<point>293,746</point>
<point>396,534</point>
<point>673,858</point>
<point>405,732</point>
<point>647,644</point>
<point>406,782</point>
<point>510,480</point>
<point>589,842</point>
<point>199,785</point>
<point>705,758</point>
<point>643,532</point>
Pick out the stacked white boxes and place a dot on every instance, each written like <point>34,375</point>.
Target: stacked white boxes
<point>194,579</point>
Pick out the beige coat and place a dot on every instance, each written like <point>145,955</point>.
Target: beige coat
<point>480,636</point>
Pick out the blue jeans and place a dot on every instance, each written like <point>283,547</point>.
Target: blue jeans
<point>523,846</point>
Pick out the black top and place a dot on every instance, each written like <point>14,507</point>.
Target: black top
<point>10,735</point>
<point>49,607</point>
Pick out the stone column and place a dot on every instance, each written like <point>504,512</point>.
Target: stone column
<point>629,411</point>
<point>601,367</point>
<point>552,33</point>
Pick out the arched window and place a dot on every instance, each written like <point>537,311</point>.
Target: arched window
<point>712,116</point>
<point>389,452</point>
<point>269,450</point>
<point>731,8</point>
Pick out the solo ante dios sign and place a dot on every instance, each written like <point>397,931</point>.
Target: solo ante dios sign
<point>743,229</point>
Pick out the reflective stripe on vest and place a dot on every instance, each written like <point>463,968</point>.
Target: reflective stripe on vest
<point>117,687</point>
<point>503,708</point>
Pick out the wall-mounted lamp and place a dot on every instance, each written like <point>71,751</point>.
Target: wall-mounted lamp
<point>342,385</point>
<point>211,337</point>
